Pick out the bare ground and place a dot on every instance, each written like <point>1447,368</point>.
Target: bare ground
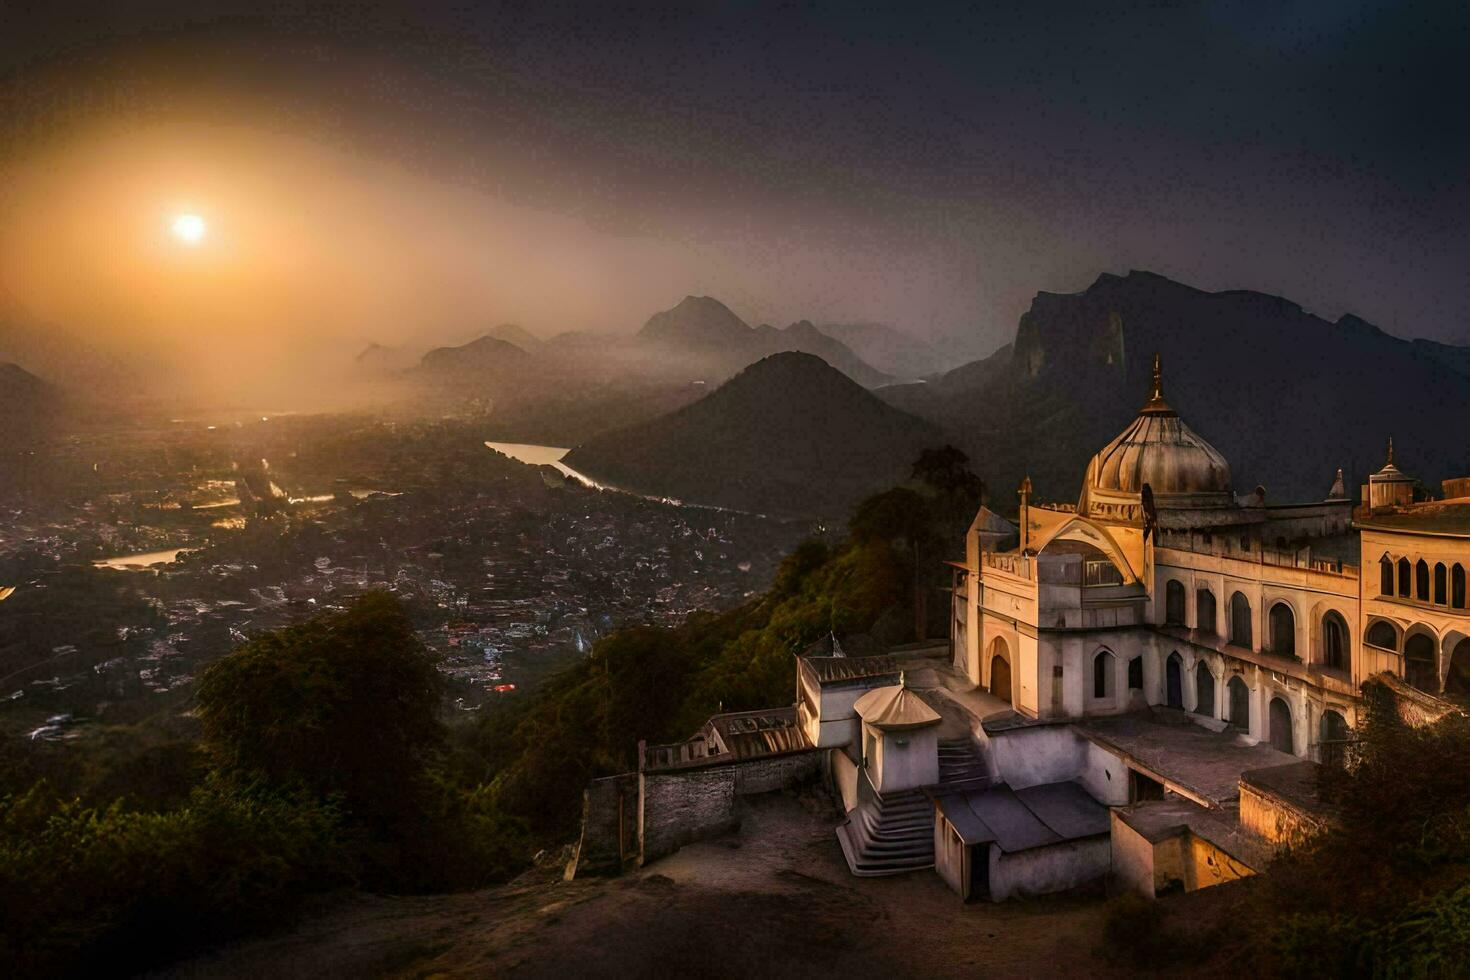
<point>772,900</point>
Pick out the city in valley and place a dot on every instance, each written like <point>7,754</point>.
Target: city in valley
<point>734,490</point>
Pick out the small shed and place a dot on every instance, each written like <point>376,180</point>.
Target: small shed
<point>996,843</point>
<point>900,738</point>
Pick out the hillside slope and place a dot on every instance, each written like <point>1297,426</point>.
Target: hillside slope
<point>788,435</point>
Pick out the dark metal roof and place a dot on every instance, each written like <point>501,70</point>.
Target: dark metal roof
<point>829,669</point>
<point>1019,820</point>
<point>1067,809</point>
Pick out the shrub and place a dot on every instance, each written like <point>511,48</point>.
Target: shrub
<point>104,888</point>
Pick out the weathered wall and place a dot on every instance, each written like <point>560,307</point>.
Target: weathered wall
<point>949,855</point>
<point>607,805</point>
<point>906,760</point>
<point>776,772</point>
<point>1132,859</point>
<point>1273,818</point>
<point>1208,865</point>
<point>1032,756</point>
<point>676,808</point>
<point>1043,870</point>
<point>844,779</point>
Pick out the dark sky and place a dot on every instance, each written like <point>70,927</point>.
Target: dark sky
<point>930,166</point>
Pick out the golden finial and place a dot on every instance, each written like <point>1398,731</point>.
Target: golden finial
<point>1390,451</point>
<point>1156,404</point>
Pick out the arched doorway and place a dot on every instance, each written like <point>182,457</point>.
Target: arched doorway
<point>1240,620</point>
<point>1000,670</point>
<point>1204,690</point>
<point>1334,641</point>
<point>1174,680</point>
<point>1334,726</point>
<point>1283,630</point>
<point>1458,681</point>
<point>1240,703</point>
<point>1102,674</point>
<point>1280,720</point>
<point>1419,667</point>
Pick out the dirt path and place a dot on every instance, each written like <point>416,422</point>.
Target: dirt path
<point>773,900</point>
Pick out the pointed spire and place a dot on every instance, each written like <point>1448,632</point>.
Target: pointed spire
<point>1390,451</point>
<point>1156,404</point>
<point>1339,488</point>
<point>903,680</point>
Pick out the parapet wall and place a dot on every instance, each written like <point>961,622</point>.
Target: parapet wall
<point>679,807</point>
<point>681,804</point>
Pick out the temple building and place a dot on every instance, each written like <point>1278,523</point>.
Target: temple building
<point>1139,686</point>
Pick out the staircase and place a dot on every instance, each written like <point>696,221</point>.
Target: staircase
<point>961,766</point>
<point>889,834</point>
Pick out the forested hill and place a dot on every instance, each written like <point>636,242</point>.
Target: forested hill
<point>788,435</point>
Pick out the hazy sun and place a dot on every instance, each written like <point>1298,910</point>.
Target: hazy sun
<point>189,229</point>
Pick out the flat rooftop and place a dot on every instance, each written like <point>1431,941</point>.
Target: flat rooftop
<point>1019,820</point>
<point>1173,748</point>
<point>1158,820</point>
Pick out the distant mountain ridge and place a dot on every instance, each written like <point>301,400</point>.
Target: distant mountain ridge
<point>1287,396</point>
<point>888,349</point>
<point>789,435</point>
<point>706,331</point>
<point>479,356</point>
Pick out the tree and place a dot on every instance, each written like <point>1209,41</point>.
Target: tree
<point>343,706</point>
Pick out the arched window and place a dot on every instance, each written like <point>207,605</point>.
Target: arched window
<point>1334,641</point>
<point>1279,716</point>
<point>1240,620</point>
<point>1420,669</point>
<point>1441,584</point>
<point>1204,611</point>
<point>1283,630</point>
<point>1404,577</point>
<point>1174,680</point>
<point>1240,703</point>
<point>1421,580</point>
<point>1174,603</point>
<point>1334,726</point>
<point>1385,576</point>
<point>1457,587</point>
<point>1204,690</point>
<point>1102,674</point>
<point>1382,634</point>
<point>1135,674</point>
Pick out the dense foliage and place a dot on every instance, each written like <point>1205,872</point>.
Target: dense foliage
<point>322,766</point>
<point>316,758</point>
<point>1385,892</point>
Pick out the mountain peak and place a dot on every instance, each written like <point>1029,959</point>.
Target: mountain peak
<point>699,321</point>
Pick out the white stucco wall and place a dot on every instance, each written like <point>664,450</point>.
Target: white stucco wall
<point>1043,870</point>
<point>906,759</point>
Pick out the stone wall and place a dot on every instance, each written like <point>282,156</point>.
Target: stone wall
<point>775,772</point>
<point>678,807</point>
<point>609,825</point>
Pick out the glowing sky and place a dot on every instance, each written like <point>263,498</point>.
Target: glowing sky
<point>368,176</point>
